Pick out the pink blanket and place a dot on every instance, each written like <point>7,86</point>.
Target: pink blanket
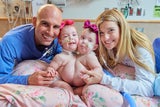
<point>12,95</point>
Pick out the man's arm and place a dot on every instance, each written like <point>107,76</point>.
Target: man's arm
<point>7,61</point>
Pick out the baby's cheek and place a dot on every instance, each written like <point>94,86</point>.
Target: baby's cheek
<point>90,46</point>
<point>66,40</point>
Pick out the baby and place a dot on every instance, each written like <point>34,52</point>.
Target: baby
<point>64,63</point>
<point>70,64</point>
<point>86,58</point>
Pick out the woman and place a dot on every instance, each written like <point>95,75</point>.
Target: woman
<point>128,55</point>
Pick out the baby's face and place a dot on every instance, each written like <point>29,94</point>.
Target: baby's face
<point>69,38</point>
<point>87,42</point>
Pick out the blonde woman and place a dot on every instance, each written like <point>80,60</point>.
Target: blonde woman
<point>128,55</point>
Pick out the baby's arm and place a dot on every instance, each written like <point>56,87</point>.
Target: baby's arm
<point>93,63</point>
<point>94,67</point>
<point>54,65</point>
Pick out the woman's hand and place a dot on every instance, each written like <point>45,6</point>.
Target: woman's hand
<point>91,77</point>
<point>124,71</point>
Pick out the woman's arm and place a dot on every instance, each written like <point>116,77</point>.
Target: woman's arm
<point>143,82</point>
<point>124,71</point>
<point>141,85</point>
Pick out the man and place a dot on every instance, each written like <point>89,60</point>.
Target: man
<point>30,42</point>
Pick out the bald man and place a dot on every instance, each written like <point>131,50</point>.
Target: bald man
<point>31,42</point>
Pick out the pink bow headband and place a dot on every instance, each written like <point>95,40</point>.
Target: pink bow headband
<point>65,23</point>
<point>92,27</point>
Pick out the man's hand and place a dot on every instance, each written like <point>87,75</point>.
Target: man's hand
<point>40,78</point>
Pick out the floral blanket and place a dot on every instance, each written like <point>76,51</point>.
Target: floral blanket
<point>12,95</point>
<point>101,96</point>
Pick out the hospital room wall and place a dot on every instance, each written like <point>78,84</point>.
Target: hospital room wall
<point>89,9</point>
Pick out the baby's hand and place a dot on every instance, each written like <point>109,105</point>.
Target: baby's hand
<point>84,76</point>
<point>52,72</point>
<point>90,77</point>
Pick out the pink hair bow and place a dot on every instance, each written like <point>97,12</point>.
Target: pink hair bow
<point>92,27</point>
<point>66,22</point>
